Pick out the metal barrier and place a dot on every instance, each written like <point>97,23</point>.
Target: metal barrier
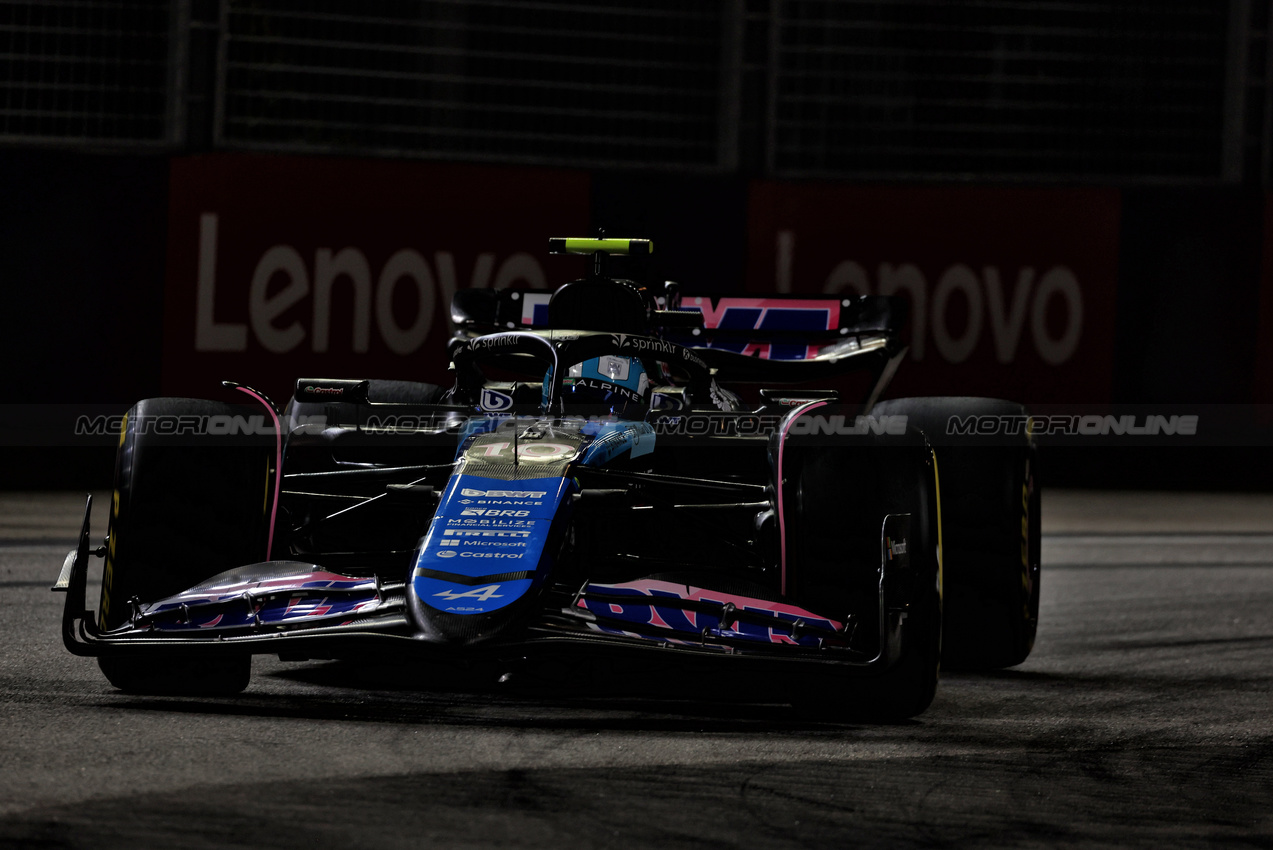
<point>85,72</point>
<point>563,82</point>
<point>1039,90</point>
<point>1004,89</point>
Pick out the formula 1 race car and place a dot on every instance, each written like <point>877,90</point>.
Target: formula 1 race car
<point>592,480</point>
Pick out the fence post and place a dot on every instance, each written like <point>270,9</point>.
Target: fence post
<point>729,120</point>
<point>219,80</point>
<point>175,117</point>
<point>1237,63</point>
<point>773,60</point>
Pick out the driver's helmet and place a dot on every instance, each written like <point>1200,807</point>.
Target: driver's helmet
<point>611,384</point>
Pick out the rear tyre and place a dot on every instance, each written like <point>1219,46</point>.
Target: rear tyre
<point>842,494</point>
<point>990,523</point>
<point>191,500</point>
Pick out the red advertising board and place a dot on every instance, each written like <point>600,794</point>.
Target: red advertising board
<point>283,267</point>
<point>1012,290</point>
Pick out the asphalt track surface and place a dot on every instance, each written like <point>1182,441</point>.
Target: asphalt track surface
<point>1144,718</point>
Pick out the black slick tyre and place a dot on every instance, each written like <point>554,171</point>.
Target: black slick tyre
<point>842,492</point>
<point>191,500</point>
<point>990,523</point>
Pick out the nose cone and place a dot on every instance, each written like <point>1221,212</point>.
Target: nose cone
<point>488,550</point>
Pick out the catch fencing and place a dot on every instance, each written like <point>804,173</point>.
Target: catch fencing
<point>1174,91</point>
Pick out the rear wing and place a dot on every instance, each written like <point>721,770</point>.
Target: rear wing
<point>773,338</point>
<point>778,339</point>
<point>773,327</point>
<point>789,327</point>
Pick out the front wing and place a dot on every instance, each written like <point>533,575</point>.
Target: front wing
<point>297,612</point>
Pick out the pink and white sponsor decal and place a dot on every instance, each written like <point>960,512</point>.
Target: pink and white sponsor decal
<point>674,618</point>
<point>769,314</point>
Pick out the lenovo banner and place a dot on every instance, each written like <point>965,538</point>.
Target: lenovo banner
<point>283,267</point>
<point>1011,290</point>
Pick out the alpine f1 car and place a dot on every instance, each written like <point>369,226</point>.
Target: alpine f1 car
<point>604,473</point>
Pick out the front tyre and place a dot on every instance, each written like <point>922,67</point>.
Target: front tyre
<point>990,506</point>
<point>192,499</point>
<point>849,497</point>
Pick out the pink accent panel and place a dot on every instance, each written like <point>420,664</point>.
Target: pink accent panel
<point>782,445</point>
<point>214,621</point>
<point>278,464</point>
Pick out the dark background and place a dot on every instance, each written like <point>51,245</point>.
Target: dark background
<point>672,113</point>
